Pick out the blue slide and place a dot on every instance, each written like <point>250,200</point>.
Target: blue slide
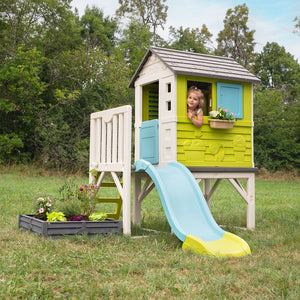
<point>188,213</point>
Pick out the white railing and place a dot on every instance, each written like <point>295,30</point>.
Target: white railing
<point>110,151</point>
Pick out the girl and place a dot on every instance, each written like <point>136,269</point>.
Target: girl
<point>195,103</point>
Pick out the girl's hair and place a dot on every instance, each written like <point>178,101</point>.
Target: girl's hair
<point>201,96</point>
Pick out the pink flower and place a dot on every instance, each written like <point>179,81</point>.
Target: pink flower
<point>80,188</point>
<point>48,204</point>
<point>85,185</point>
<point>96,186</point>
<point>233,114</point>
<point>41,210</point>
<point>225,109</point>
<point>40,199</point>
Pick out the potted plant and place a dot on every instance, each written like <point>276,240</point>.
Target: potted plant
<point>75,212</point>
<point>221,119</point>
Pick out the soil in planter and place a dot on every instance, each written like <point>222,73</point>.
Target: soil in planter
<point>43,218</point>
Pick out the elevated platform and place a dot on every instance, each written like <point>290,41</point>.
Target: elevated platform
<point>222,170</point>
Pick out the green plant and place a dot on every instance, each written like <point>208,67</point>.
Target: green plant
<point>56,216</point>
<point>222,114</point>
<point>98,216</point>
<point>76,201</point>
<point>42,207</point>
<point>86,195</point>
<point>66,191</point>
<point>71,207</point>
<point>95,174</point>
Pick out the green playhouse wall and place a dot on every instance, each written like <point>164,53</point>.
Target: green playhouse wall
<point>207,147</point>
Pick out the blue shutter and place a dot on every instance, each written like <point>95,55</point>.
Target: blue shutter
<point>149,141</point>
<point>230,96</point>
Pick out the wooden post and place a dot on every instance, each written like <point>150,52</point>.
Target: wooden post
<point>251,202</point>
<point>136,203</point>
<point>232,175</point>
<point>206,191</point>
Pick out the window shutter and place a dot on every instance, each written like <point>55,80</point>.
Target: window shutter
<point>230,96</point>
<point>149,141</point>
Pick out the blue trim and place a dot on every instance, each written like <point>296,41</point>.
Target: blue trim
<point>230,96</point>
<point>149,140</point>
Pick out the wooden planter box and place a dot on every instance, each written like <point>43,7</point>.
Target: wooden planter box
<point>221,124</point>
<point>57,229</point>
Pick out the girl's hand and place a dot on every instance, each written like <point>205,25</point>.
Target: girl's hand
<point>190,114</point>
<point>197,122</point>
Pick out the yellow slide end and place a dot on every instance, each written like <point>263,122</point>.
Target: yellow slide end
<point>229,245</point>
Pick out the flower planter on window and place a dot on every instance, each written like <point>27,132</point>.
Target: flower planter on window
<point>221,124</point>
<point>57,229</point>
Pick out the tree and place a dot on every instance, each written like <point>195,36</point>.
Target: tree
<point>236,40</point>
<point>297,25</point>
<point>278,69</point>
<point>52,78</point>
<point>151,12</point>
<point>192,40</point>
<point>97,30</point>
<point>276,130</point>
<point>48,25</point>
<point>135,41</point>
<point>277,109</point>
<point>85,81</point>
<point>21,100</point>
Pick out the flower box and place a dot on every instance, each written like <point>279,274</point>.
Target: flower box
<point>57,229</point>
<point>221,124</point>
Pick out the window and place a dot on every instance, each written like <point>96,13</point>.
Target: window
<point>169,87</point>
<point>169,107</point>
<point>205,87</point>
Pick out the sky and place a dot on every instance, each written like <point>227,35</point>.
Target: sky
<point>272,20</point>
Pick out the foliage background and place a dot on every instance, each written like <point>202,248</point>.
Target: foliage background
<point>56,68</point>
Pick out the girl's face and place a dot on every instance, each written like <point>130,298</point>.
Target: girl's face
<point>193,100</point>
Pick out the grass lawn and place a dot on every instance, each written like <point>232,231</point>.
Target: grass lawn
<point>153,266</point>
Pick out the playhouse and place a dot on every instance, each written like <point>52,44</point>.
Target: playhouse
<point>163,133</point>
<point>172,154</point>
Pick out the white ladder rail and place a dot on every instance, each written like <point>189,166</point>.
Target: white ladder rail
<point>110,151</point>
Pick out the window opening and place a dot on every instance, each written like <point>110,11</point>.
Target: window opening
<point>206,89</point>
<point>169,107</point>
<point>150,101</point>
<point>169,87</point>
